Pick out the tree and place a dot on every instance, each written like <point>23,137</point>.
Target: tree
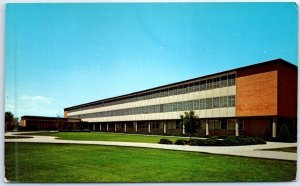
<point>190,121</point>
<point>10,121</point>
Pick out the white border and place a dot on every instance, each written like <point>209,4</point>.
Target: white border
<point>2,74</point>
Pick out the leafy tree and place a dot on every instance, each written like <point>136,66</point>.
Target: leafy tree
<point>10,121</point>
<point>190,122</point>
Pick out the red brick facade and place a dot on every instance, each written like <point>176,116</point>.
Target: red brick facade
<point>256,93</point>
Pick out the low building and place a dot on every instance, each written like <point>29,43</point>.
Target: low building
<point>48,123</point>
<point>256,100</point>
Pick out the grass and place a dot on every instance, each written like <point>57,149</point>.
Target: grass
<point>90,163</point>
<point>286,149</point>
<point>100,136</point>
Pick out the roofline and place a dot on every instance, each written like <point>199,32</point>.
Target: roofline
<point>45,117</point>
<point>279,60</point>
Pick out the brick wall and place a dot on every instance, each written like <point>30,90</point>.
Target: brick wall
<point>256,92</point>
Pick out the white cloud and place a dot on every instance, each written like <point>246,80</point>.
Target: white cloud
<point>36,106</point>
<point>37,99</point>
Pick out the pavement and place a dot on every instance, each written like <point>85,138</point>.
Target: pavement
<point>256,151</point>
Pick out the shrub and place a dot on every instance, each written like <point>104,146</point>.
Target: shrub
<point>236,140</point>
<point>181,142</point>
<point>260,141</point>
<point>165,141</point>
<point>193,142</point>
<point>231,141</point>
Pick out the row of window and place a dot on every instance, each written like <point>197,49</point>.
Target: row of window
<point>221,124</point>
<point>212,83</point>
<point>199,104</point>
<point>213,124</point>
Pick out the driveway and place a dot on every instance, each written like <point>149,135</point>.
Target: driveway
<point>247,151</point>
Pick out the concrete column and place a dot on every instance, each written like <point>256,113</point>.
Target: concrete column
<point>165,127</point>
<point>94,127</point>
<point>125,127</point>
<point>135,126</point>
<point>106,126</point>
<point>274,128</point>
<point>149,127</point>
<point>237,130</point>
<point>183,129</point>
<point>206,128</point>
<point>115,127</point>
<point>100,127</point>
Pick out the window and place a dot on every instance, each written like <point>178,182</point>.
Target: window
<point>196,104</point>
<point>203,85</point>
<point>171,92</point>
<point>202,124</point>
<point>231,80</point>
<point>174,106</point>
<point>241,126</point>
<point>165,92</point>
<point>179,90</point>
<point>161,93</point>
<point>145,110</point>
<point>223,101</point>
<point>179,106</point>
<point>224,81</point>
<point>209,84</point>
<point>202,104</point>
<point>208,103</point>
<point>185,89</point>
<point>217,124</point>
<point>216,103</point>
<point>196,86</point>
<point>191,87</point>
<point>157,108</point>
<point>151,109</point>
<point>216,82</point>
<point>140,110</point>
<point>178,124</point>
<point>170,107</point>
<point>231,124</point>
<point>161,108</point>
<point>211,124</point>
<point>224,124</point>
<point>190,105</point>
<point>231,101</point>
<point>186,106</point>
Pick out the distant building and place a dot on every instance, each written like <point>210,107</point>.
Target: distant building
<point>256,100</point>
<point>48,123</point>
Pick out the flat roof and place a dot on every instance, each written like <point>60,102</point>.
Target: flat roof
<point>26,117</point>
<point>278,61</point>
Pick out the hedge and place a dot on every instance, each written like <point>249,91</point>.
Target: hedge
<point>228,141</point>
<point>165,141</point>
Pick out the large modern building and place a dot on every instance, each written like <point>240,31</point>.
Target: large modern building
<point>256,100</point>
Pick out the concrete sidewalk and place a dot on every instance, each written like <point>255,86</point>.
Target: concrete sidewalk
<point>247,151</point>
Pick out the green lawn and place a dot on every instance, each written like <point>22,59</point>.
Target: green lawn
<point>100,136</point>
<point>287,149</point>
<point>90,163</point>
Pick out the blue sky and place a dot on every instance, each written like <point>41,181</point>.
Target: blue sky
<point>61,55</point>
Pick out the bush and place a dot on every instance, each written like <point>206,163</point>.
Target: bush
<point>260,141</point>
<point>231,141</point>
<point>181,142</point>
<point>228,141</point>
<point>165,141</point>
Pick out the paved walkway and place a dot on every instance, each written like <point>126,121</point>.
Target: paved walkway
<point>248,151</point>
